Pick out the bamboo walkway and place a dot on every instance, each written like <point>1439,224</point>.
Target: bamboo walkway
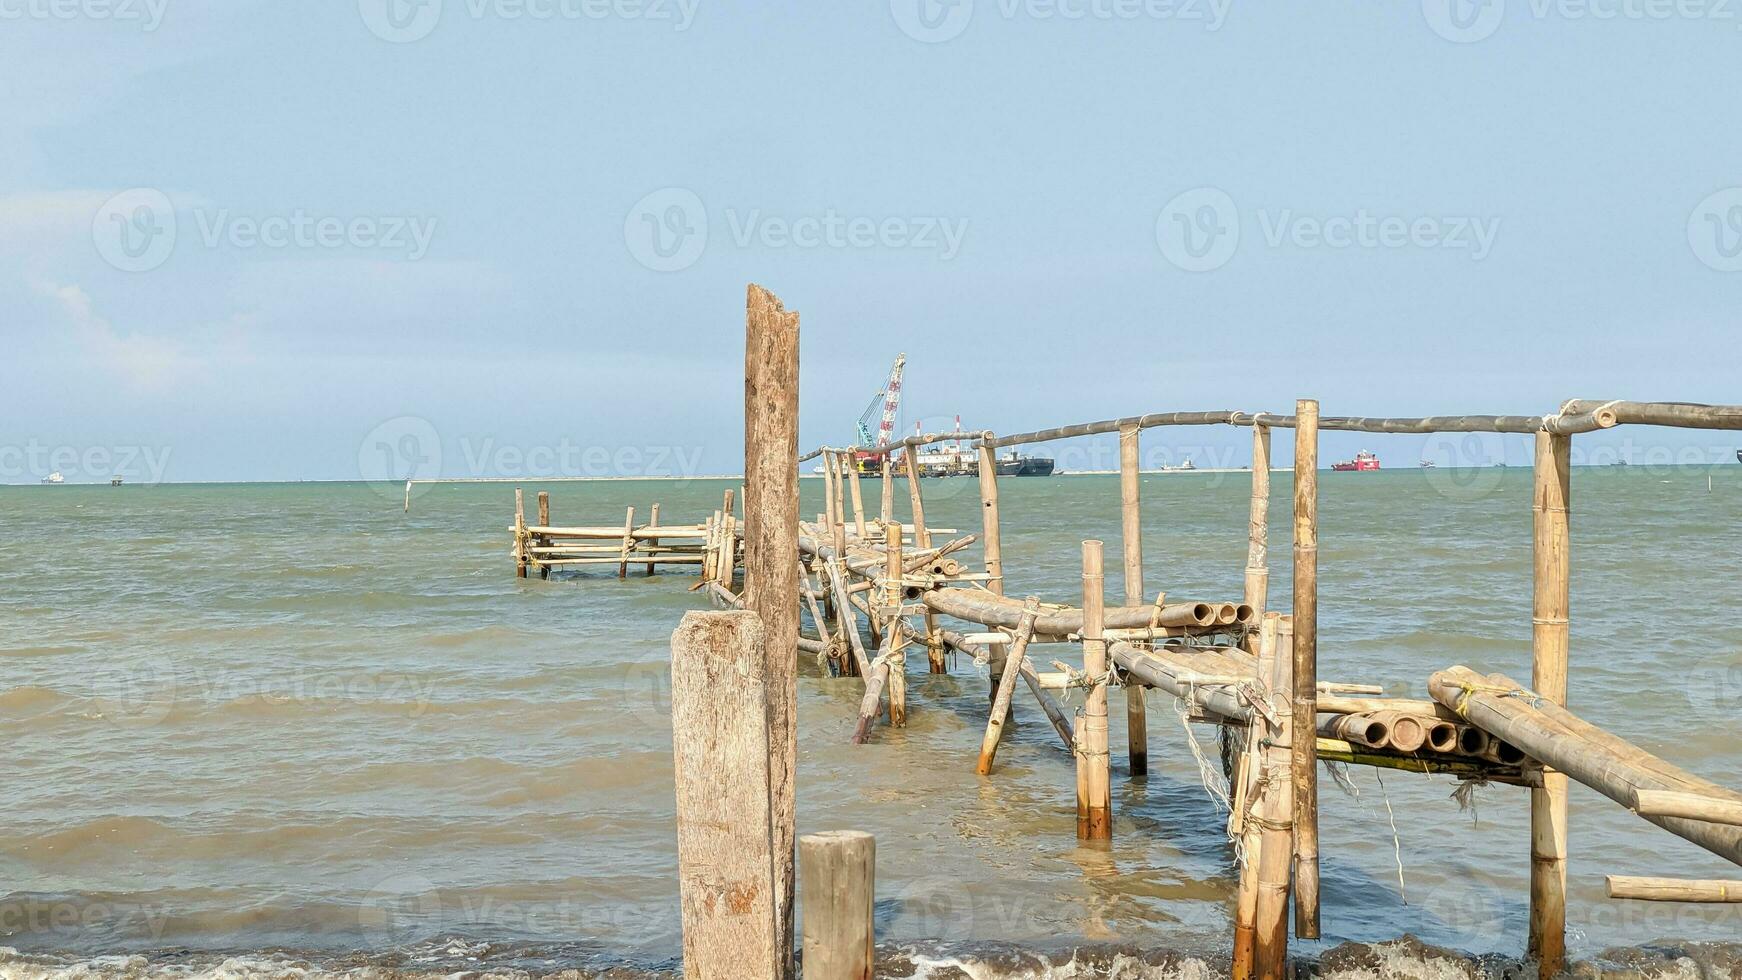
<point>872,589</point>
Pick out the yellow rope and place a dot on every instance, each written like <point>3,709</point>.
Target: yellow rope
<point>1466,689</point>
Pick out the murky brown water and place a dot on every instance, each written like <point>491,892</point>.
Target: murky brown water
<point>252,718</point>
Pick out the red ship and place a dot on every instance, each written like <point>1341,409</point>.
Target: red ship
<point>1362,462</point>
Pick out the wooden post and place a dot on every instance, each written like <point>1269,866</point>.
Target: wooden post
<point>543,521</point>
<point>934,643</point>
<point>1277,806</point>
<point>829,490</point>
<point>989,543</point>
<point>1131,533</point>
<point>1258,532</point>
<point>887,513</point>
<point>1094,789</point>
<point>897,639</point>
<point>653,519</point>
<point>628,545</point>
<point>770,571</point>
<point>519,532</point>
<point>838,526</point>
<point>851,462</point>
<point>1550,615</point>
<point>1304,761</point>
<point>727,868</point>
<point>1006,689</point>
<point>840,874</point>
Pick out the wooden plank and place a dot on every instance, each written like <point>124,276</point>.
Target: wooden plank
<point>726,853</point>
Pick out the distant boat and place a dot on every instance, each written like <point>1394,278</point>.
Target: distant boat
<point>1186,466</point>
<point>1739,455</point>
<point>115,482</point>
<point>1015,465</point>
<point>1364,461</point>
<point>1428,464</point>
<point>54,479</point>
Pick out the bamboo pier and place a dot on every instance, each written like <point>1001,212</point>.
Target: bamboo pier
<point>868,589</point>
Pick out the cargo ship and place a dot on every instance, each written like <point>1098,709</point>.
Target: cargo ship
<point>1363,462</point>
<point>1014,465</point>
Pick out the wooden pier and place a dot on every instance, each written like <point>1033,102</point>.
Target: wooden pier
<point>868,588</point>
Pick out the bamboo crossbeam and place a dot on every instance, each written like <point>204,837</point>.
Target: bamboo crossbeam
<point>1683,415</point>
<point>1690,806</point>
<point>1673,889</point>
<point>1578,749</point>
<point>991,610</point>
<point>1170,671</point>
<point>644,532</point>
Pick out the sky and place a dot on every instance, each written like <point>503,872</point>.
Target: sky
<point>249,240</point>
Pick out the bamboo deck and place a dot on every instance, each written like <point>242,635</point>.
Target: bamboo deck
<point>872,589</point>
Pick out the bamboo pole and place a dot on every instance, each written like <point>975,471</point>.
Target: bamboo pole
<point>1131,536</point>
<point>1277,804</point>
<point>1304,654</point>
<point>652,519</point>
<point>1673,889</point>
<point>852,465</point>
<point>989,540</point>
<point>1688,806</point>
<point>770,570</point>
<point>628,545</point>
<point>1258,530</point>
<point>1006,690</point>
<point>934,647</point>
<point>1550,611</point>
<point>519,533</point>
<point>1094,796</point>
<point>839,869</point>
<point>726,841</point>
<point>887,511</point>
<point>898,640</point>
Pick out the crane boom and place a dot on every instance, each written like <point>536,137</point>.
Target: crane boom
<point>891,401</point>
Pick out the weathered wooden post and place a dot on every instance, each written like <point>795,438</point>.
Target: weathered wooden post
<point>989,542</point>
<point>627,546</point>
<point>543,521</point>
<point>1094,787</point>
<point>1006,688</point>
<point>1276,851</point>
<point>839,868</point>
<point>728,883</point>
<point>934,644</point>
<point>519,532</point>
<point>1258,531</point>
<point>770,573</point>
<point>887,511</point>
<point>653,543</point>
<point>892,597</point>
<point>1305,654</point>
<point>1131,533</point>
<point>851,461</point>
<point>1550,619</point>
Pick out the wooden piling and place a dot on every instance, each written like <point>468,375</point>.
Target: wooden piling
<point>839,869</point>
<point>1094,790</point>
<point>934,646</point>
<point>543,521</point>
<point>851,462</point>
<point>770,572</point>
<point>653,519</point>
<point>1276,807</point>
<point>1006,690</point>
<point>727,856</point>
<point>519,532</point>
<point>628,545</point>
<point>887,510</point>
<point>1131,534</point>
<point>1551,607</point>
<point>989,541</point>
<point>1258,532</point>
<point>892,597</point>
<point>1304,672</point>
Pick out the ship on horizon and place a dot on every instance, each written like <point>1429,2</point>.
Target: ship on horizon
<point>1364,462</point>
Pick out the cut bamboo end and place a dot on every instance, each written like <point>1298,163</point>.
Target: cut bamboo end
<point>1690,806</point>
<point>1674,890</point>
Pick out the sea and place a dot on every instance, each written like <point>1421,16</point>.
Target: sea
<point>297,730</point>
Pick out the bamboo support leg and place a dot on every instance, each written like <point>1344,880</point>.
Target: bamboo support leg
<point>989,540</point>
<point>519,533</point>
<point>887,511</point>
<point>1258,532</point>
<point>629,546</point>
<point>653,519</point>
<point>1094,796</point>
<point>1131,533</point>
<point>852,465</point>
<point>934,644</point>
<point>1303,653</point>
<point>1006,689</point>
<point>898,641</point>
<point>1276,854</point>
<point>543,521</point>
<point>1551,609</point>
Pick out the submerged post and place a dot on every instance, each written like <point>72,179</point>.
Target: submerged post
<point>543,521</point>
<point>519,532</point>
<point>840,874</point>
<point>1131,533</point>
<point>653,520</point>
<point>989,543</point>
<point>770,573</point>
<point>1551,608</point>
<point>1276,852</point>
<point>892,597</point>
<point>934,644</point>
<point>1258,531</point>
<point>1094,790</point>
<point>727,868</point>
<point>1304,757</point>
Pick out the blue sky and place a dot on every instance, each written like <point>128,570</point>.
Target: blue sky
<point>493,230</point>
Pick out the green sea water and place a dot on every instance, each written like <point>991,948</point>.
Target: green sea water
<point>264,717</point>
